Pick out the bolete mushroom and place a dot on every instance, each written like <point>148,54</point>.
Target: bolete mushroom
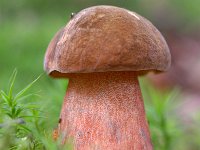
<point>102,50</point>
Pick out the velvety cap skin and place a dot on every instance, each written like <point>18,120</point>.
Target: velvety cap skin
<point>107,38</point>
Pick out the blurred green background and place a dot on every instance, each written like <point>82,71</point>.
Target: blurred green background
<point>26,28</point>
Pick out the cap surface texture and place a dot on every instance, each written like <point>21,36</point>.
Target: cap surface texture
<point>107,38</point>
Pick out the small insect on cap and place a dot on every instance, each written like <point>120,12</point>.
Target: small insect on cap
<point>107,38</point>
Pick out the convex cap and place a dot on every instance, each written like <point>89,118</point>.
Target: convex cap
<point>107,38</point>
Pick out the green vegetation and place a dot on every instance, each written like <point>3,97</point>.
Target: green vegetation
<point>30,112</point>
<point>159,109</point>
<point>168,130</point>
<point>24,125</point>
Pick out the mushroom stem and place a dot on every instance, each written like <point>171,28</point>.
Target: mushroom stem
<point>105,111</point>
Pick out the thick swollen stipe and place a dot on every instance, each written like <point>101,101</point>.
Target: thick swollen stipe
<point>104,111</point>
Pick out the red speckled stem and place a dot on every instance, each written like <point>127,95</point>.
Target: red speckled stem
<point>105,111</point>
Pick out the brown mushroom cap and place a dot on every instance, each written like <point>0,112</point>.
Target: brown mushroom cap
<point>107,38</point>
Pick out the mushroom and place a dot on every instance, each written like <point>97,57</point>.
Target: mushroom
<point>102,50</point>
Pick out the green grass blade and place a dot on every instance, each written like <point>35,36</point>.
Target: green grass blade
<point>24,97</point>
<point>11,83</point>
<point>27,96</point>
<point>9,114</point>
<point>20,94</point>
<point>25,128</point>
<point>4,97</point>
<point>13,110</point>
<point>170,99</point>
<point>31,116</point>
<point>18,111</point>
